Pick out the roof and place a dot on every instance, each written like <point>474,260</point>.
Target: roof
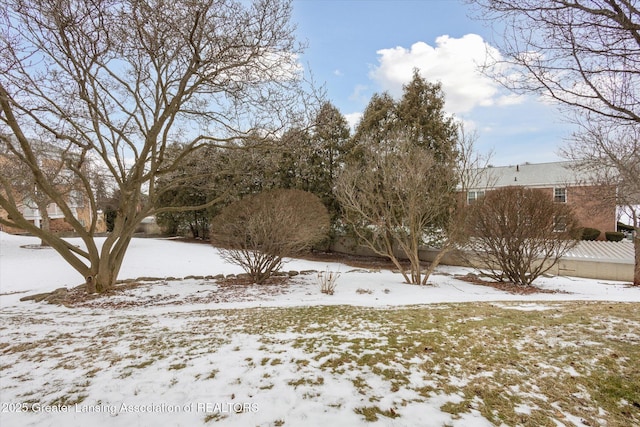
<point>618,252</point>
<point>531,175</point>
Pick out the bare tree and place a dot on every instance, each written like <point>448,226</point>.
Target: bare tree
<point>586,56</point>
<point>609,153</point>
<point>398,187</point>
<point>258,231</point>
<point>391,198</point>
<point>519,233</point>
<point>583,54</point>
<point>119,82</point>
<point>24,188</point>
<point>400,199</point>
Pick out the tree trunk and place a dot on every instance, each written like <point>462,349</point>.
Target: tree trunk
<point>389,245</point>
<point>416,268</point>
<point>45,223</point>
<point>46,226</point>
<point>436,261</point>
<point>636,247</point>
<point>91,286</point>
<point>106,267</point>
<point>105,276</point>
<point>396,262</point>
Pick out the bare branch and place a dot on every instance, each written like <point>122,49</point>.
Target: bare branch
<point>121,82</point>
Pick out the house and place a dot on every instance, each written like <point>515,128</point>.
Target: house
<point>32,204</point>
<point>80,208</point>
<point>592,204</point>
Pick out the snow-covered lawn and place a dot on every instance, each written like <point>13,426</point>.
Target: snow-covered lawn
<point>378,352</point>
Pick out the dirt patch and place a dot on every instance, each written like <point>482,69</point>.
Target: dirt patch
<point>366,262</point>
<point>244,281</point>
<point>146,293</point>
<point>36,247</point>
<point>506,286</point>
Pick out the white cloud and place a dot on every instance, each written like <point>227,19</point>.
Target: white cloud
<point>359,94</point>
<point>353,119</point>
<point>470,126</point>
<point>510,99</point>
<point>454,62</point>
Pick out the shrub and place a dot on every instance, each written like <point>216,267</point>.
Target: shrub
<point>517,234</point>
<point>327,281</point>
<point>258,231</point>
<point>589,233</point>
<point>614,236</point>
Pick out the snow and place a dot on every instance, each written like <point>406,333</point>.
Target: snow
<point>27,271</point>
<point>254,393</point>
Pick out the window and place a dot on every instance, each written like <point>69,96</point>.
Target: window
<point>473,196</point>
<point>559,224</point>
<point>560,195</point>
<point>76,199</point>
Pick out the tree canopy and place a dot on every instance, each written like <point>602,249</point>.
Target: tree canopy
<point>398,188</point>
<point>120,82</point>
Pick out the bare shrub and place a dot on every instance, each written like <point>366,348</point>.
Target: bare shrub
<point>519,233</point>
<point>399,197</point>
<point>328,281</point>
<point>116,83</point>
<point>392,197</point>
<point>259,230</point>
<point>586,57</point>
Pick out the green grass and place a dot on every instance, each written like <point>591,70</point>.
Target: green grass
<point>501,358</point>
<point>370,413</point>
<point>515,367</point>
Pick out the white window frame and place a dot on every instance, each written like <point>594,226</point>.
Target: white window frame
<point>474,195</point>
<point>560,194</point>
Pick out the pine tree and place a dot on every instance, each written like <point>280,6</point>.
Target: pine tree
<point>398,189</point>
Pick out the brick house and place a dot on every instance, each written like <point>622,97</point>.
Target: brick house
<point>592,204</point>
<point>80,208</point>
<point>77,200</point>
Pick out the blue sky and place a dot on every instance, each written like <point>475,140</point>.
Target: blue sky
<point>359,47</point>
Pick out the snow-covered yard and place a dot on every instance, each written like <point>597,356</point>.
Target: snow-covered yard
<point>176,351</point>
<point>24,271</point>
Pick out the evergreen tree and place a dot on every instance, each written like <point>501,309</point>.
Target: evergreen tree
<point>190,184</point>
<point>420,113</point>
<point>378,120</point>
<point>331,141</point>
<point>398,189</point>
